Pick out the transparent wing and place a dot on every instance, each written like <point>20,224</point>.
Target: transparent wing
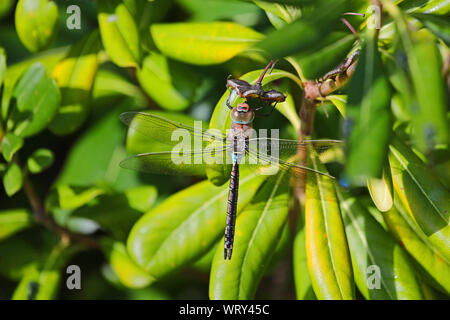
<point>170,132</point>
<point>185,162</point>
<point>286,155</point>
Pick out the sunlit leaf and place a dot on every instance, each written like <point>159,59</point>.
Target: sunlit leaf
<point>303,286</point>
<point>14,220</point>
<point>40,160</point>
<point>10,144</point>
<point>13,179</point>
<point>129,274</point>
<point>327,250</point>
<point>36,23</point>
<point>119,33</point>
<point>75,75</point>
<point>422,195</point>
<point>381,268</point>
<point>37,101</point>
<point>203,43</point>
<point>381,190</point>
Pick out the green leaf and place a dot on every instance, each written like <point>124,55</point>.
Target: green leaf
<point>185,226</point>
<point>368,116</point>
<point>10,144</point>
<point>12,180</point>
<point>372,247</point>
<point>171,84</point>
<point>279,15</point>
<point>66,197</point>
<point>120,35</point>
<point>340,102</point>
<point>40,160</point>
<point>36,23</point>
<point>326,245</point>
<point>425,64</point>
<point>14,220</point>
<point>435,265</point>
<point>422,195</point>
<point>438,7</point>
<point>381,190</point>
<point>303,285</point>
<point>14,72</point>
<point>75,75</point>
<point>128,272</point>
<point>257,233</point>
<point>203,43</point>
<point>37,101</point>
<point>318,60</point>
<point>307,31</point>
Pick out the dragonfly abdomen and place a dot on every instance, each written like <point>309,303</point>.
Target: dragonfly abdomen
<point>231,211</point>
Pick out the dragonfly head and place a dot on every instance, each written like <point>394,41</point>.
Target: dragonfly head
<point>242,114</point>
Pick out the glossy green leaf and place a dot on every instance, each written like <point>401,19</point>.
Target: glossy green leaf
<point>75,75</point>
<point>307,31</point>
<point>368,116</point>
<point>381,267</point>
<point>339,101</point>
<point>437,7</point>
<point>185,226</point>
<point>120,35</point>
<point>257,233</point>
<point>66,197</point>
<point>171,84</point>
<point>381,190</point>
<point>422,195</point>
<point>326,244</point>
<point>43,283</point>
<point>128,272</point>
<point>14,220</point>
<point>203,43</point>
<point>37,101</point>
<point>13,179</point>
<point>40,160</point>
<point>425,66</point>
<point>435,265</point>
<point>303,286</point>
<point>10,144</point>
<point>320,59</point>
<point>14,72</point>
<point>36,23</point>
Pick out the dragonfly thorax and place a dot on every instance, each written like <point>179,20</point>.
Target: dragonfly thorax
<point>242,114</point>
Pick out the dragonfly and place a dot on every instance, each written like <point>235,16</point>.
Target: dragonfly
<point>240,145</point>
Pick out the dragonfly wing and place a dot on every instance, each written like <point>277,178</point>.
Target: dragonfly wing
<point>170,132</point>
<point>190,163</point>
<point>284,154</point>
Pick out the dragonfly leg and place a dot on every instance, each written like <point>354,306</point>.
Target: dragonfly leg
<point>270,112</point>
